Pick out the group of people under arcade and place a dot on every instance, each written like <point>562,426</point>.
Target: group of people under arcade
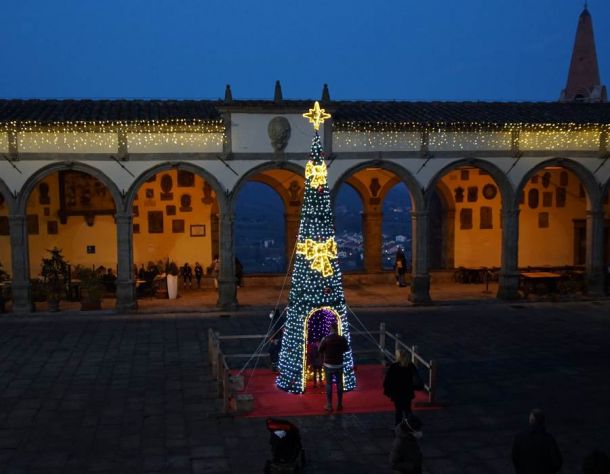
<point>190,276</point>
<point>534,451</point>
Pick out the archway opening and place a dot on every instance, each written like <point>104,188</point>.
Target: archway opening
<point>5,255</point>
<point>396,225</point>
<point>465,234</point>
<point>175,220</point>
<point>260,230</point>
<point>348,224</point>
<point>72,211</point>
<point>552,232</point>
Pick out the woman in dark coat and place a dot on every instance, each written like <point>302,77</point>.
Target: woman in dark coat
<point>406,455</point>
<point>398,385</point>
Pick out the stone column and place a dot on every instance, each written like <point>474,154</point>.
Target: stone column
<point>371,227</point>
<point>20,285</point>
<point>227,286</point>
<point>420,284</point>
<point>292,221</point>
<point>595,252</point>
<point>508,288</point>
<point>126,299</point>
<point>448,230</point>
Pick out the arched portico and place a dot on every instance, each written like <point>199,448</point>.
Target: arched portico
<point>420,282</point>
<point>591,216</point>
<point>6,207</point>
<point>469,191</point>
<point>226,281</point>
<point>287,180</point>
<point>19,232</point>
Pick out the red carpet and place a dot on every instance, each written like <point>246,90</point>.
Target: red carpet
<point>368,396</point>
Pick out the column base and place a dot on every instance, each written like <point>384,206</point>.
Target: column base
<point>420,290</point>
<point>126,300</point>
<point>508,288</point>
<point>596,284</point>
<point>227,295</point>
<point>22,298</point>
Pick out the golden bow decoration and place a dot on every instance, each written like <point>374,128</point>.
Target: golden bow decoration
<point>319,253</point>
<point>317,173</point>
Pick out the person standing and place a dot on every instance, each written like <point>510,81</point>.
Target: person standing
<point>314,361</point>
<point>406,456</point>
<point>198,274</point>
<point>535,451</point>
<point>400,267</point>
<point>216,270</point>
<point>400,384</point>
<point>187,275</point>
<point>332,348</point>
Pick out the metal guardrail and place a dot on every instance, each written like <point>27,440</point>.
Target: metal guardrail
<point>221,370</point>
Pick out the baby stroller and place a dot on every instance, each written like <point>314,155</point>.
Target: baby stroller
<point>286,450</point>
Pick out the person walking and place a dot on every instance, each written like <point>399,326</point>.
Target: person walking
<point>399,385</point>
<point>198,274</point>
<point>400,267</point>
<point>406,456</point>
<point>332,348</point>
<point>535,451</point>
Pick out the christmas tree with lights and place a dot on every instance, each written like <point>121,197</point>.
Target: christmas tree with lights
<point>316,297</point>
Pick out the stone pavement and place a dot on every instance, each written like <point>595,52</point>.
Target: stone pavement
<point>105,393</point>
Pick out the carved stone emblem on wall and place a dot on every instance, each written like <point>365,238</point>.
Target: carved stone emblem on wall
<point>43,194</point>
<point>560,197</point>
<point>486,220</point>
<point>489,191</point>
<point>465,219</point>
<point>207,193</point>
<point>459,194</point>
<point>546,179</point>
<point>473,193</point>
<point>167,183</point>
<point>279,133</point>
<point>293,192</point>
<point>533,198</point>
<point>185,203</point>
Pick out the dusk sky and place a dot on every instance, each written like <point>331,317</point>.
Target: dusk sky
<point>189,49</point>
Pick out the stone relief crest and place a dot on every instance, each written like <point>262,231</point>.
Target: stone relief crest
<point>279,133</point>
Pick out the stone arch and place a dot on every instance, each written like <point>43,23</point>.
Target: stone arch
<point>8,196</point>
<point>499,177</point>
<point>387,187</point>
<point>273,184</point>
<point>586,177</point>
<point>179,165</point>
<point>26,190</point>
<point>414,188</point>
<point>360,189</point>
<point>257,170</point>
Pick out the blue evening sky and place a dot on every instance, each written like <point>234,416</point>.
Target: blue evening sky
<point>387,49</point>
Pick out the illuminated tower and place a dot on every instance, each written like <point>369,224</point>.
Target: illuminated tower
<point>316,298</point>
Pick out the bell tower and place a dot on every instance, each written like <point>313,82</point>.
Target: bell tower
<point>584,84</point>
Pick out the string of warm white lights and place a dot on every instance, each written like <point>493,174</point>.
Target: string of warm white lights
<point>32,135</point>
<point>409,135</point>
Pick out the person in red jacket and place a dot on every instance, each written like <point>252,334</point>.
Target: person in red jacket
<point>332,349</point>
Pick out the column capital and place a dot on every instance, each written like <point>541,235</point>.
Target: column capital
<point>123,218</point>
<point>420,214</point>
<point>510,212</point>
<point>17,218</point>
<point>595,213</point>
